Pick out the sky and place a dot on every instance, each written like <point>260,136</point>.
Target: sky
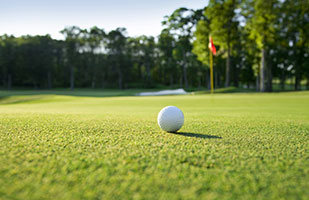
<point>41,17</point>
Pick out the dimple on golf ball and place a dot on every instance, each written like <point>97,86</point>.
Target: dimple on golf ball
<point>170,119</point>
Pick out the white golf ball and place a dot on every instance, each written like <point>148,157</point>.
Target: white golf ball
<point>170,119</point>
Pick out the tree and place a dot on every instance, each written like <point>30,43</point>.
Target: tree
<point>142,51</point>
<point>257,42</point>
<point>181,23</point>
<point>72,45</point>
<point>262,25</point>
<point>248,59</point>
<point>166,63</point>
<point>200,44</point>
<point>93,43</point>
<point>8,59</point>
<point>224,28</point>
<point>295,17</point>
<point>116,49</point>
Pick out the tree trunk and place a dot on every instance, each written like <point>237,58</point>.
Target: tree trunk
<point>35,85</point>
<point>207,80</point>
<point>93,82</point>
<point>236,68</point>
<point>257,84</point>
<point>71,77</point>
<point>184,66</point>
<point>282,81</point>
<point>9,81</point>
<point>297,79</point>
<point>216,80</point>
<point>49,81</point>
<point>227,69</point>
<point>140,71</point>
<point>298,67</point>
<point>119,79</point>
<point>171,80</point>
<point>236,76</point>
<point>181,81</point>
<point>148,72</point>
<point>185,78</point>
<point>262,71</point>
<point>269,83</point>
<point>3,81</point>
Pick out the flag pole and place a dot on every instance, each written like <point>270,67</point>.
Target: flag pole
<point>211,73</point>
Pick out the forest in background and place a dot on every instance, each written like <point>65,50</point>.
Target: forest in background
<point>259,43</point>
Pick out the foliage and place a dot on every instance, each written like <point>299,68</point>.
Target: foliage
<point>200,45</point>
<point>258,43</point>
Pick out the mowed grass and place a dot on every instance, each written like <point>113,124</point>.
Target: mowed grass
<point>232,146</point>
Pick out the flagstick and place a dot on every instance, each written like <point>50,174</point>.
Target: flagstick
<point>211,73</point>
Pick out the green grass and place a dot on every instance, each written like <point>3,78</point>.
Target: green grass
<point>76,92</point>
<point>232,146</point>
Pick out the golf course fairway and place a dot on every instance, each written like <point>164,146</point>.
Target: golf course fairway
<point>231,146</point>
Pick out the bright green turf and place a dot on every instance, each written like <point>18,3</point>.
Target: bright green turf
<point>232,146</point>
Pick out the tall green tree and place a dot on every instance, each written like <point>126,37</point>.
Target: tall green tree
<point>200,44</point>
<point>142,50</point>
<point>8,59</point>
<point>262,24</point>
<point>36,60</point>
<point>249,59</point>
<point>72,47</point>
<point>181,23</point>
<point>295,17</point>
<point>116,48</point>
<point>166,72</point>
<point>224,28</point>
<point>93,44</point>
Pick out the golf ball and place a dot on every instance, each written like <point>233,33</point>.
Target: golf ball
<point>170,119</point>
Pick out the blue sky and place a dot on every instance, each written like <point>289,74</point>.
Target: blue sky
<point>40,17</point>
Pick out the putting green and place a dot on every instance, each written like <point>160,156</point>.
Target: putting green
<point>232,146</point>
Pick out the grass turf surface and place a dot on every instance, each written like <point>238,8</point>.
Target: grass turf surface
<point>232,146</point>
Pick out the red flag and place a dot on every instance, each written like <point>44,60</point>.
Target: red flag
<point>211,46</point>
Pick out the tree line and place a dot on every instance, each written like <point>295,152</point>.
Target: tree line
<point>258,43</point>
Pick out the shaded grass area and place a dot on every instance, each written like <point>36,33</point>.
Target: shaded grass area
<point>4,94</point>
<point>76,92</point>
<point>197,135</point>
<point>22,99</point>
<point>226,90</point>
<point>232,146</point>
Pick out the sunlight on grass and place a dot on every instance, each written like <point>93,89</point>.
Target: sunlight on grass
<point>232,146</point>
